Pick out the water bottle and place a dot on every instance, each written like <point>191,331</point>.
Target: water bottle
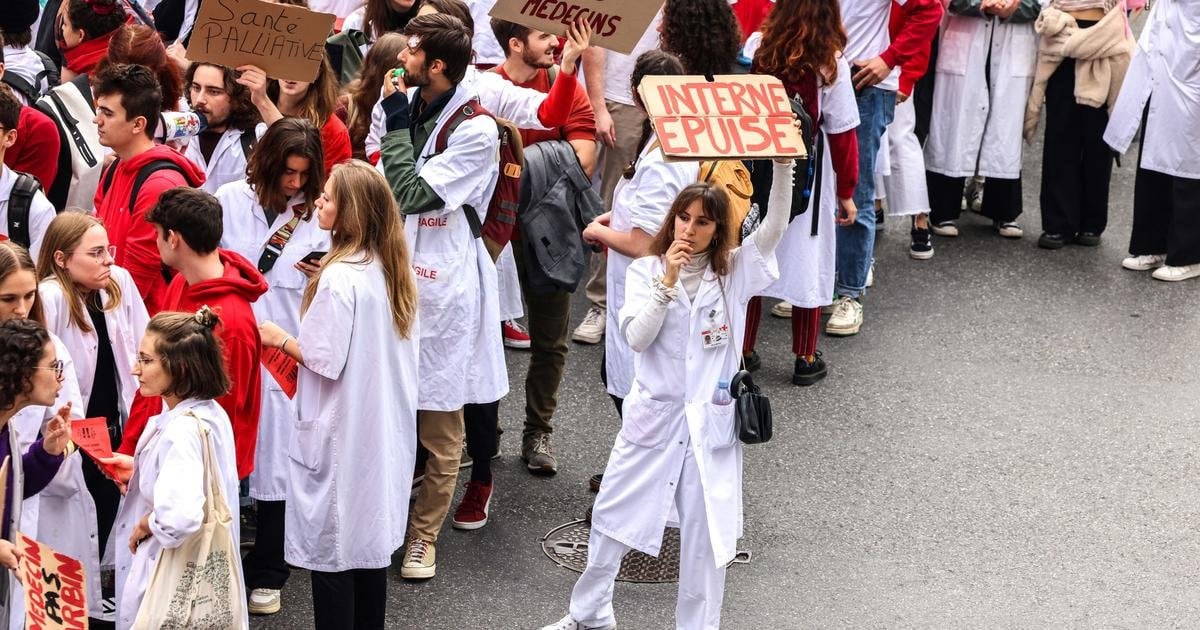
<point>721,395</point>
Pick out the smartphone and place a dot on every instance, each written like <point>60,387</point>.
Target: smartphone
<point>853,71</point>
<point>313,257</point>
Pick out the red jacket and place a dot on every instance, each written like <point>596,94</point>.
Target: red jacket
<point>36,149</point>
<point>335,143</point>
<point>912,27</point>
<point>230,296</point>
<point>751,14</point>
<point>128,230</point>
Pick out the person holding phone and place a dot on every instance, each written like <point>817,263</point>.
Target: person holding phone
<point>269,218</point>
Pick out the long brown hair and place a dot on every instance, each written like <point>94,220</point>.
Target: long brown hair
<point>368,225</point>
<point>63,235</point>
<point>268,162</point>
<point>801,37</point>
<point>379,18</point>
<point>14,258</point>
<point>321,99</point>
<point>714,202</point>
<point>364,90</point>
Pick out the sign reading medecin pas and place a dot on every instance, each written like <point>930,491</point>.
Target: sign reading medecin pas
<point>287,42</point>
<point>55,591</point>
<point>732,116</point>
<point>618,24</point>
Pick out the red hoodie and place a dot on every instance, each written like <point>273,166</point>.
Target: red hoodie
<point>230,296</point>
<point>912,26</point>
<point>128,230</point>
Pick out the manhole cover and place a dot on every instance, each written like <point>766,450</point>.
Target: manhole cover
<point>567,546</point>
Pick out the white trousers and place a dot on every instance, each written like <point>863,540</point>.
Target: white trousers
<point>701,583</point>
<point>902,179</point>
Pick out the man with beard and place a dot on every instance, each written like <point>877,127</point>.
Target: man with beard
<point>223,148</point>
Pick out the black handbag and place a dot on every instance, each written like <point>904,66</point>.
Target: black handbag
<point>752,408</point>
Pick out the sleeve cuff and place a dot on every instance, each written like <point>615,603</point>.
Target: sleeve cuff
<point>395,110</point>
<point>889,57</point>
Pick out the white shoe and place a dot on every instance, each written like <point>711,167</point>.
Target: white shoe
<point>871,274</point>
<point>1167,273</point>
<point>264,601</point>
<point>847,317</point>
<point>1008,229</point>
<point>568,623</point>
<point>782,310</point>
<point>591,330</point>
<point>1145,262</point>
<point>945,228</point>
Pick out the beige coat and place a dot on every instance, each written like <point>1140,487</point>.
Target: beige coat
<point>1101,51</point>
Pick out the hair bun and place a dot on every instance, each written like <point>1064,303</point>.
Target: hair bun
<point>206,317</point>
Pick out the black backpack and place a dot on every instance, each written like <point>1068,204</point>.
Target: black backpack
<point>144,174</point>
<point>20,200</point>
<point>30,90</point>
<point>807,180</point>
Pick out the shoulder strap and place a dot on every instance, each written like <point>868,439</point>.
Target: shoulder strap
<point>20,201</point>
<point>49,69</point>
<point>274,246</point>
<point>147,171</point>
<point>106,180</point>
<point>18,83</point>
<point>249,139</point>
<point>815,163</point>
<point>552,74</point>
<point>468,110</point>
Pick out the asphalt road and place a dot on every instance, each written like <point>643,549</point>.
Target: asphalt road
<point>1010,442</point>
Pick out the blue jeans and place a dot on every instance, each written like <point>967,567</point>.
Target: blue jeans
<point>856,243</point>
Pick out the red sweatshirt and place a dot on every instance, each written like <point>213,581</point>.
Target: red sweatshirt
<point>335,143</point>
<point>128,229</point>
<point>230,296</point>
<point>36,149</point>
<point>912,27</point>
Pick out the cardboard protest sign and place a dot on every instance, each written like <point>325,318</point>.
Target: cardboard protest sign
<point>732,116</point>
<point>618,24</point>
<point>287,42</point>
<point>284,368</point>
<point>91,435</point>
<point>55,592</point>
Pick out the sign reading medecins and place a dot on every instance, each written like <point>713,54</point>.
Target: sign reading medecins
<point>55,591</point>
<point>617,24</point>
<point>287,42</point>
<point>732,116</point>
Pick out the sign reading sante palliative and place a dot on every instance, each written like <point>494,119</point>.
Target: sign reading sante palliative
<point>287,42</point>
<point>618,24</point>
<point>55,591</point>
<point>732,116</point>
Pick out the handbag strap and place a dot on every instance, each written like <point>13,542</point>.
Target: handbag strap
<point>733,337</point>
<point>211,487</point>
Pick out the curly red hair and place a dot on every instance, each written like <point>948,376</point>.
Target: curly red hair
<point>801,37</point>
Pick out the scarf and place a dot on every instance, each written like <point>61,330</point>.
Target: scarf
<point>83,58</point>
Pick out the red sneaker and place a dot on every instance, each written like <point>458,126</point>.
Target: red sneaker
<point>515,335</point>
<point>472,512</point>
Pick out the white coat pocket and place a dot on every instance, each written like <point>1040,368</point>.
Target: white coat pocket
<point>954,49</point>
<point>647,422</point>
<point>1023,49</point>
<point>306,446</point>
<point>720,425</point>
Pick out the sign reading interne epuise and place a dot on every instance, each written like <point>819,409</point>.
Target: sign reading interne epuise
<point>617,24</point>
<point>287,42</point>
<point>731,116</point>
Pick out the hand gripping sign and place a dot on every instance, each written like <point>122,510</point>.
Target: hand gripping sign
<point>287,42</point>
<point>729,117</point>
<point>618,24</point>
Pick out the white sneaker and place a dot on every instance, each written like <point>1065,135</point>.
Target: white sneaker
<point>1008,229</point>
<point>591,330</point>
<point>846,319</point>
<point>568,623</point>
<point>264,601</point>
<point>945,228</point>
<point>1167,273</point>
<point>782,310</point>
<point>1145,262</point>
<point>871,274</point>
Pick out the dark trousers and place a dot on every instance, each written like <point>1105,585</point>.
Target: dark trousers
<point>349,599</point>
<point>1166,217</point>
<point>922,96</point>
<point>481,424</point>
<point>1076,163</point>
<point>548,318</point>
<point>264,566</point>
<point>1001,198</point>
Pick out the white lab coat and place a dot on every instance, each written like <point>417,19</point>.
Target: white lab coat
<point>807,262</point>
<point>462,356</point>
<point>900,171</point>
<point>353,447</point>
<point>675,378</point>
<point>168,484</point>
<point>977,124</point>
<point>67,519</point>
<point>41,211</point>
<point>247,232</point>
<point>228,163</point>
<point>1165,70</point>
<point>640,202</point>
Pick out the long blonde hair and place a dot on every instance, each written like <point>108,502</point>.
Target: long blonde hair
<point>368,223</point>
<point>63,235</point>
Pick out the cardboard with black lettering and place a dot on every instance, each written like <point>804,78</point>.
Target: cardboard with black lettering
<point>283,368</point>
<point>618,24</point>
<point>286,41</point>
<point>54,585</point>
<point>730,117</point>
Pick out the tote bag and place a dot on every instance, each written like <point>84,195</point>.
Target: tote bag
<point>196,585</point>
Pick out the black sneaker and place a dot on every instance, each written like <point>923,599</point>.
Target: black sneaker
<point>922,245</point>
<point>1051,241</point>
<point>752,361</point>
<point>594,482</point>
<point>807,373</point>
<point>1087,239</point>
<point>880,216</point>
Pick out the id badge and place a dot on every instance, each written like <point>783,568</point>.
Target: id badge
<point>715,336</point>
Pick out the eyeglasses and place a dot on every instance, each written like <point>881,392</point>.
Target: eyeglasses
<point>57,366</point>
<point>143,359</point>
<point>99,252</point>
